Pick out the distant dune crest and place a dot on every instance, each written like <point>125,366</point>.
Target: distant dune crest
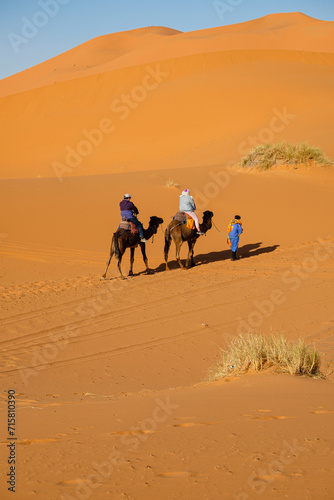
<point>126,48</point>
<point>203,97</point>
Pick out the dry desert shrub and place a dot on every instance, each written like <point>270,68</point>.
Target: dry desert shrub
<point>171,183</point>
<point>257,352</point>
<point>266,156</point>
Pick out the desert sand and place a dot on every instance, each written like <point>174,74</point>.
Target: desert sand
<point>113,398</point>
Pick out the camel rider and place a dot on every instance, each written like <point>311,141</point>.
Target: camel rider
<point>129,212</point>
<point>188,206</point>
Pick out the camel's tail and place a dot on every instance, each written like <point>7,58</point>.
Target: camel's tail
<point>168,240</point>
<point>115,245</point>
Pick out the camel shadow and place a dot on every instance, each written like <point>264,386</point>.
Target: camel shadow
<point>244,252</point>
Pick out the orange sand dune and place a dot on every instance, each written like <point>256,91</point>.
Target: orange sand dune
<point>111,376</point>
<point>145,45</point>
<point>113,399</point>
<point>196,100</point>
<point>87,58</point>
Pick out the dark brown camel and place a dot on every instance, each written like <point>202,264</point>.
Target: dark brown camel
<point>180,233</point>
<point>123,239</point>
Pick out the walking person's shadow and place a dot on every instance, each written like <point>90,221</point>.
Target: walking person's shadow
<point>253,249</point>
<point>244,252</point>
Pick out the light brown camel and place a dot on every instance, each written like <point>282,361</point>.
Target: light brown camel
<point>180,233</point>
<point>123,239</point>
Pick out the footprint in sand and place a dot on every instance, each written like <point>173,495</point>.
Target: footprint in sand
<point>131,433</point>
<point>320,412</point>
<point>271,417</point>
<point>33,441</point>
<point>193,424</point>
<point>269,477</point>
<point>265,417</point>
<point>74,482</point>
<point>178,474</point>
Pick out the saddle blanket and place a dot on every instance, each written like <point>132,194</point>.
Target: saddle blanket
<point>180,216</point>
<point>185,218</point>
<point>128,226</point>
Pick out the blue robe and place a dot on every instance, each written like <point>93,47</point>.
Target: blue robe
<point>234,236</point>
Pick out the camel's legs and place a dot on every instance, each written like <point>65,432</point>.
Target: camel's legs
<point>145,259</point>
<point>119,261</point>
<point>132,258</point>
<point>168,240</point>
<point>178,249</point>
<point>192,262</point>
<point>190,258</point>
<point>166,250</point>
<point>103,277</point>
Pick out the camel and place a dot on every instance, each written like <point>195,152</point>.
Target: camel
<point>123,239</point>
<point>180,233</point>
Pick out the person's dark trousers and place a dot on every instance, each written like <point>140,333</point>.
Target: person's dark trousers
<point>139,225</point>
<point>234,255</point>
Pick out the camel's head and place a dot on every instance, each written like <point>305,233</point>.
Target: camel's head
<point>207,216</point>
<point>155,222</point>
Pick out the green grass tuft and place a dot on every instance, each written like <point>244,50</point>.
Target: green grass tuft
<point>256,352</point>
<point>266,156</point>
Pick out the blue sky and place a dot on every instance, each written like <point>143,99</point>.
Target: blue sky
<point>32,31</point>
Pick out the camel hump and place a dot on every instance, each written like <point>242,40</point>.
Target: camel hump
<point>180,216</point>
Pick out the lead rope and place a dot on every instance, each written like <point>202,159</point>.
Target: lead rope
<point>184,221</point>
<point>232,238</point>
<point>219,231</point>
<point>154,233</point>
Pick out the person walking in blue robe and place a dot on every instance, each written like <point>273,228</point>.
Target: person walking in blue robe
<point>234,230</point>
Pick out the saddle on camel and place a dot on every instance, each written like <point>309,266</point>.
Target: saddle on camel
<point>128,226</point>
<point>184,218</point>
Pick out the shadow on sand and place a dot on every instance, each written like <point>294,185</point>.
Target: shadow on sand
<point>244,252</point>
